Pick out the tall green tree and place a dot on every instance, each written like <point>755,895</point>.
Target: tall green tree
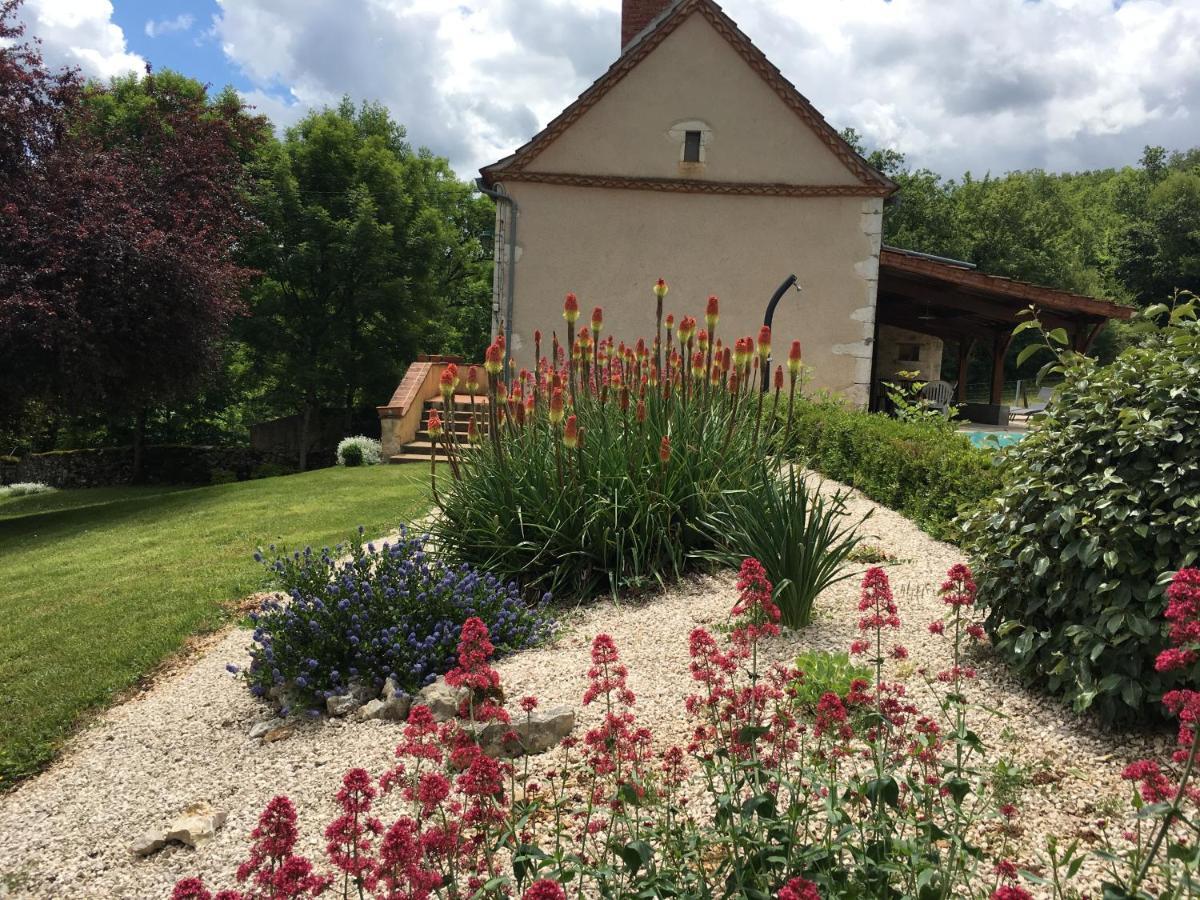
<point>371,252</point>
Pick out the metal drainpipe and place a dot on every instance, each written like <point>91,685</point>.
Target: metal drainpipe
<point>512,265</point>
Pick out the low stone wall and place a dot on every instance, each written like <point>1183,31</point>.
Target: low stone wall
<point>169,464</point>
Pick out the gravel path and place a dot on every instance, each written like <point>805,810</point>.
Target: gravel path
<point>67,832</point>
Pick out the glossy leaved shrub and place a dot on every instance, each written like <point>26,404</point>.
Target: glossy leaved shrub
<point>1100,503</point>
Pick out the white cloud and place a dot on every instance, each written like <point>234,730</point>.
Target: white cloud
<point>975,84</point>
<point>182,22</point>
<point>80,33</point>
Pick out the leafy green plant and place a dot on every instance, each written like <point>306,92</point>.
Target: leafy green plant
<point>870,554</point>
<point>1100,503</point>
<point>797,533</point>
<point>825,672</point>
<point>926,472</point>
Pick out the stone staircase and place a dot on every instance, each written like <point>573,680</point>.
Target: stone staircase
<point>421,448</point>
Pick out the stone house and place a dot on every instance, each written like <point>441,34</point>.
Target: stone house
<point>693,159</point>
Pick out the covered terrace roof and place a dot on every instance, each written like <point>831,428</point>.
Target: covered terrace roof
<point>951,300</point>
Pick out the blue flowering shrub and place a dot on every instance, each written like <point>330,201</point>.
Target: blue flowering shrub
<point>391,610</point>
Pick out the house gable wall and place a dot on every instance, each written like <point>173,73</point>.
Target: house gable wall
<point>694,75</point>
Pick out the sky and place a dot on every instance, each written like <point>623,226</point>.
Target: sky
<point>957,85</point>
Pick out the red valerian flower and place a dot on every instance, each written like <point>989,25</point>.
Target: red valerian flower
<point>1011,892</point>
<point>545,889</point>
<point>1153,785</point>
<point>755,613</point>
<point>571,308</point>
<point>876,601</point>
<point>190,889</point>
<point>959,587</point>
<point>1183,612</point>
<point>799,889</point>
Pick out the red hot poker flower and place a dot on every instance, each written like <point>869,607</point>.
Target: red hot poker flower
<point>473,379</point>
<point>493,360</point>
<point>571,309</point>
<point>556,406</point>
<point>660,289</point>
<point>712,313</point>
<point>664,450</point>
<point>571,433</point>
<point>597,320</point>
<point>793,362</point>
<point>434,424</point>
<point>764,342</point>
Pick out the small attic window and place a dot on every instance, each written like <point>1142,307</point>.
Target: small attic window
<point>691,146</point>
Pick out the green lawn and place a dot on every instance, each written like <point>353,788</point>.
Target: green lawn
<point>99,586</point>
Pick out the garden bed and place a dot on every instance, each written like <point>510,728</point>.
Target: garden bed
<point>186,741</point>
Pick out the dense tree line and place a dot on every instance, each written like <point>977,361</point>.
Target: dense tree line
<point>172,270</point>
<point>1131,234</point>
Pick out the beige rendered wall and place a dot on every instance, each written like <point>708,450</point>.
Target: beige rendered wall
<point>694,76</point>
<point>609,246</point>
<point>930,349</point>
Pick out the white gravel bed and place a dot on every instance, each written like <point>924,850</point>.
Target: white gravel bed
<point>67,832</point>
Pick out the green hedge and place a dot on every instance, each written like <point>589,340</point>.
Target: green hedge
<point>925,472</point>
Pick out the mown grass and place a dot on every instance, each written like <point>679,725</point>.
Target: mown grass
<point>98,586</point>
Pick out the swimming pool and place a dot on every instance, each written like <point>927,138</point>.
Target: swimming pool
<point>994,439</point>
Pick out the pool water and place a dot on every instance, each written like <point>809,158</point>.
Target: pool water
<point>994,439</point>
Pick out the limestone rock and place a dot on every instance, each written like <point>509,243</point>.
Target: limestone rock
<point>282,733</point>
<point>394,710</point>
<point>441,699</point>
<point>543,730</point>
<point>197,824</point>
<point>259,729</point>
<point>342,704</point>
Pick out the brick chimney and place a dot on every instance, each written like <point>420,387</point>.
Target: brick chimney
<point>636,15</point>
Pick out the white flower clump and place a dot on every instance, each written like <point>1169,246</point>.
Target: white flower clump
<point>21,488</point>
<point>372,453</point>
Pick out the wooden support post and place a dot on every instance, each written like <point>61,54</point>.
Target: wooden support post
<point>1000,344</point>
<point>965,346</point>
<point>1085,337</point>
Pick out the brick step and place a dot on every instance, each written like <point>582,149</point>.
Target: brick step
<point>460,400</point>
<point>409,458</point>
